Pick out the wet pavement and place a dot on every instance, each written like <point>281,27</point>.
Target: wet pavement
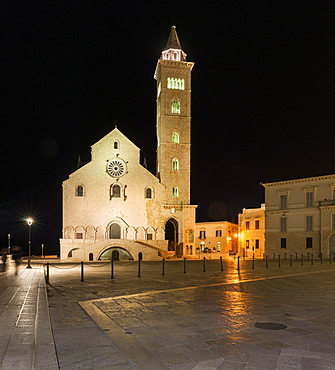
<point>194,320</point>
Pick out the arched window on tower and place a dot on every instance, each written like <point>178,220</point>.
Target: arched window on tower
<point>175,107</point>
<point>175,164</point>
<point>80,191</point>
<point>175,192</point>
<point>116,145</point>
<point>175,138</point>
<point>116,191</point>
<point>148,193</point>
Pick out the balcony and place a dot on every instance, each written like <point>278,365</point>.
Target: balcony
<point>327,202</point>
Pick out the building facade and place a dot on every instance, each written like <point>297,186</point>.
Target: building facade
<point>217,238</point>
<point>113,207</point>
<point>251,224</point>
<point>300,216</point>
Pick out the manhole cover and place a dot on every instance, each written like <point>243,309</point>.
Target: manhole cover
<point>270,326</point>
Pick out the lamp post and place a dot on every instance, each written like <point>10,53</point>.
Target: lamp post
<point>29,222</point>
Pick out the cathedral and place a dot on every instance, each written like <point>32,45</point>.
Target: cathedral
<point>113,207</point>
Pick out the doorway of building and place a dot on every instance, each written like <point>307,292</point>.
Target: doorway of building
<point>171,233</point>
<point>332,245</point>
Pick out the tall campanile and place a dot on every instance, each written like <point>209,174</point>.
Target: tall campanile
<point>173,75</point>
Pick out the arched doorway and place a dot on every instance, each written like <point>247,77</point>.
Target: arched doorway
<point>114,231</point>
<point>332,245</point>
<point>90,257</point>
<point>171,234</point>
<point>117,253</point>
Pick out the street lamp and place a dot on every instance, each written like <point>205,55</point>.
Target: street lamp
<point>29,222</point>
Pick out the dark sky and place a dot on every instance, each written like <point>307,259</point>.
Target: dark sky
<point>263,97</point>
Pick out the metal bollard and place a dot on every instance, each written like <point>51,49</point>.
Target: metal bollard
<point>185,265</point>
<point>163,266</point>
<point>238,263</point>
<point>112,268</point>
<point>321,258</point>
<point>47,276</point>
<point>204,265</point>
<point>279,261</point>
<point>253,261</point>
<point>302,259</point>
<point>291,260</point>
<point>330,258</point>
<point>139,268</point>
<point>82,271</point>
<point>266,261</point>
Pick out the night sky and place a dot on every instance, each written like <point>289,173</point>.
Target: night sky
<point>263,97</point>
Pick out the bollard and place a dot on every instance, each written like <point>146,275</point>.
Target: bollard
<point>82,271</point>
<point>266,261</point>
<point>302,259</point>
<point>112,268</point>
<point>139,268</point>
<point>312,259</point>
<point>291,259</point>
<point>204,265</point>
<point>163,266</point>
<point>238,263</point>
<point>221,263</point>
<point>330,258</point>
<point>321,258</point>
<point>47,277</point>
<point>185,265</point>
<point>253,261</point>
<point>279,261</point>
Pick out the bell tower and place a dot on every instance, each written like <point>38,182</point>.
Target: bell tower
<point>173,75</point>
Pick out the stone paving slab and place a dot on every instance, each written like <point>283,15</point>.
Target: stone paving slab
<point>195,321</point>
<point>26,340</point>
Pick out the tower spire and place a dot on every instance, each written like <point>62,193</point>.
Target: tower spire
<point>173,50</point>
<point>173,41</point>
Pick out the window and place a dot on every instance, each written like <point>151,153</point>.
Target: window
<point>218,233</point>
<point>79,235</point>
<point>175,164</point>
<point>257,243</point>
<point>309,243</point>
<point>116,145</point>
<point>116,191</point>
<point>202,234</point>
<point>309,223</point>
<point>80,191</point>
<point>309,199</point>
<point>176,83</point>
<point>247,244</point>
<point>283,224</point>
<point>175,192</point>
<point>283,201</point>
<point>175,138</point>
<point>282,242</point>
<point>175,107</point>
<point>256,224</point>
<point>148,193</point>
<point>149,236</point>
<point>247,225</point>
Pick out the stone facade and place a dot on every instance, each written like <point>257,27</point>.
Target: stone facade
<point>113,206</point>
<point>300,216</point>
<point>217,238</point>
<point>251,223</point>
